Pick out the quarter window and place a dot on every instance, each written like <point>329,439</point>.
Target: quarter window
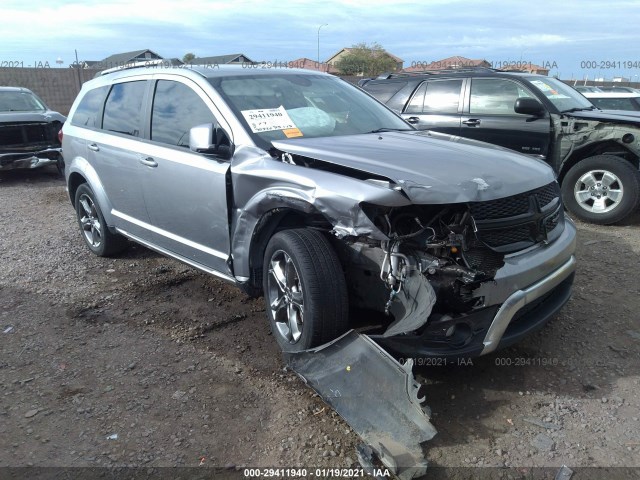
<point>123,110</point>
<point>88,111</point>
<point>176,108</point>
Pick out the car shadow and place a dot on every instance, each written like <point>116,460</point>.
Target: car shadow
<point>43,176</point>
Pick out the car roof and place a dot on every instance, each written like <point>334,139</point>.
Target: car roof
<point>205,70</point>
<point>611,95</point>
<point>14,89</point>
<point>463,72</point>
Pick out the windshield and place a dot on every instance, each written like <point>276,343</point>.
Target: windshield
<point>14,101</point>
<point>561,95</point>
<point>281,106</point>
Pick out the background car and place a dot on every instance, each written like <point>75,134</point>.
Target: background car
<point>586,88</point>
<point>28,131</point>
<point>619,89</point>
<point>532,114</point>
<point>614,100</point>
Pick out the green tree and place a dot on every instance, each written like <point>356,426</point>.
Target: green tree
<point>368,60</point>
<point>188,57</point>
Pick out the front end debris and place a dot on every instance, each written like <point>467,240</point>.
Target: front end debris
<point>377,396</point>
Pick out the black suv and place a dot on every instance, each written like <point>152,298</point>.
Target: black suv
<point>594,152</point>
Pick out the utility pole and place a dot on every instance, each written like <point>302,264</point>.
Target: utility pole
<point>323,25</point>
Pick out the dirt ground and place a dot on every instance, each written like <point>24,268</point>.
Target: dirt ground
<point>142,361</point>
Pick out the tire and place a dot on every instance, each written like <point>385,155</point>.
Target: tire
<point>588,185</point>
<point>304,290</point>
<point>93,227</point>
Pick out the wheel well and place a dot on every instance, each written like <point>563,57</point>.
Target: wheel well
<point>75,180</point>
<point>609,147</point>
<point>271,223</point>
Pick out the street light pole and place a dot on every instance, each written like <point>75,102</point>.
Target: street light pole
<point>323,25</point>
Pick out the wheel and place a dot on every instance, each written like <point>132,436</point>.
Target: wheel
<point>602,189</point>
<point>304,289</point>
<point>94,229</point>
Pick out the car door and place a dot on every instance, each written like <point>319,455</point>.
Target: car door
<point>185,192</point>
<point>490,117</point>
<point>113,152</point>
<point>436,105</point>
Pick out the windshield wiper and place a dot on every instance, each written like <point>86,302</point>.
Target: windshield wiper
<point>385,129</point>
<point>578,109</point>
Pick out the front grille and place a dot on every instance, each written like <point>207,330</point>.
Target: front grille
<point>513,223</point>
<point>25,134</point>
<point>515,204</point>
<point>501,237</point>
<point>483,259</point>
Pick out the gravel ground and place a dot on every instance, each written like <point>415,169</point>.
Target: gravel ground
<point>141,361</point>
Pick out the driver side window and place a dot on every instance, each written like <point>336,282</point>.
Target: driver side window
<point>176,108</point>
<point>495,96</point>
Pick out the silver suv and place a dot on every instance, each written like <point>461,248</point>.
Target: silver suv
<point>300,187</point>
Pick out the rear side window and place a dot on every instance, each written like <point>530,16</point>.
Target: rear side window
<point>384,91</point>
<point>88,112</point>
<point>123,110</point>
<point>439,96</point>
<point>177,108</point>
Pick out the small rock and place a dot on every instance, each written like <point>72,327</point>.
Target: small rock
<point>543,443</point>
<point>499,452</point>
<point>31,413</point>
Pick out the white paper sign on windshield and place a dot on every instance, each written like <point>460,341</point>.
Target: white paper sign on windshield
<point>268,119</point>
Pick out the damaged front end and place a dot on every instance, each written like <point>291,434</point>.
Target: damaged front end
<point>445,270</point>
<point>29,145</point>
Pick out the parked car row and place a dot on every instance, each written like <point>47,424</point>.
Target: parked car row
<point>594,153</point>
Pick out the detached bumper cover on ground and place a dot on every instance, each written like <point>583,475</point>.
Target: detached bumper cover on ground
<point>377,397</point>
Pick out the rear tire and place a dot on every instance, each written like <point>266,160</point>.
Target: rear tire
<point>602,189</point>
<point>304,289</point>
<point>93,227</point>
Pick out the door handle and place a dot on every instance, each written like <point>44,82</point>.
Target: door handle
<point>94,147</point>
<point>413,120</point>
<point>149,162</point>
<point>472,122</point>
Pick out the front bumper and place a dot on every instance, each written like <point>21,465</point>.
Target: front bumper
<point>526,293</point>
<point>40,158</point>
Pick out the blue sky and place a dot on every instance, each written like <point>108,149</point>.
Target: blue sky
<point>574,39</point>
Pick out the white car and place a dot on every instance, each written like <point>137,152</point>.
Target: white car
<point>614,100</point>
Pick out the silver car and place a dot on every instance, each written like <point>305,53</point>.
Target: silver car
<point>300,187</point>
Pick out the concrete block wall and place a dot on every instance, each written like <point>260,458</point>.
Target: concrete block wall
<point>58,87</point>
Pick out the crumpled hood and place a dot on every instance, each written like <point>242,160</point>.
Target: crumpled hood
<point>430,168</point>
<point>20,117</point>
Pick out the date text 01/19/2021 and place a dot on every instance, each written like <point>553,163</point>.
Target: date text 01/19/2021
<point>313,473</point>
<point>438,361</point>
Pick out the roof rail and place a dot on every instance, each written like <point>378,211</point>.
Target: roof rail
<point>385,76</point>
<point>130,65</point>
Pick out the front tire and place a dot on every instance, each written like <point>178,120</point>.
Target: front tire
<point>304,289</point>
<point>602,189</point>
<point>93,227</point>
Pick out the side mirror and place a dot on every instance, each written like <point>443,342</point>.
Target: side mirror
<point>529,106</point>
<point>210,139</point>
